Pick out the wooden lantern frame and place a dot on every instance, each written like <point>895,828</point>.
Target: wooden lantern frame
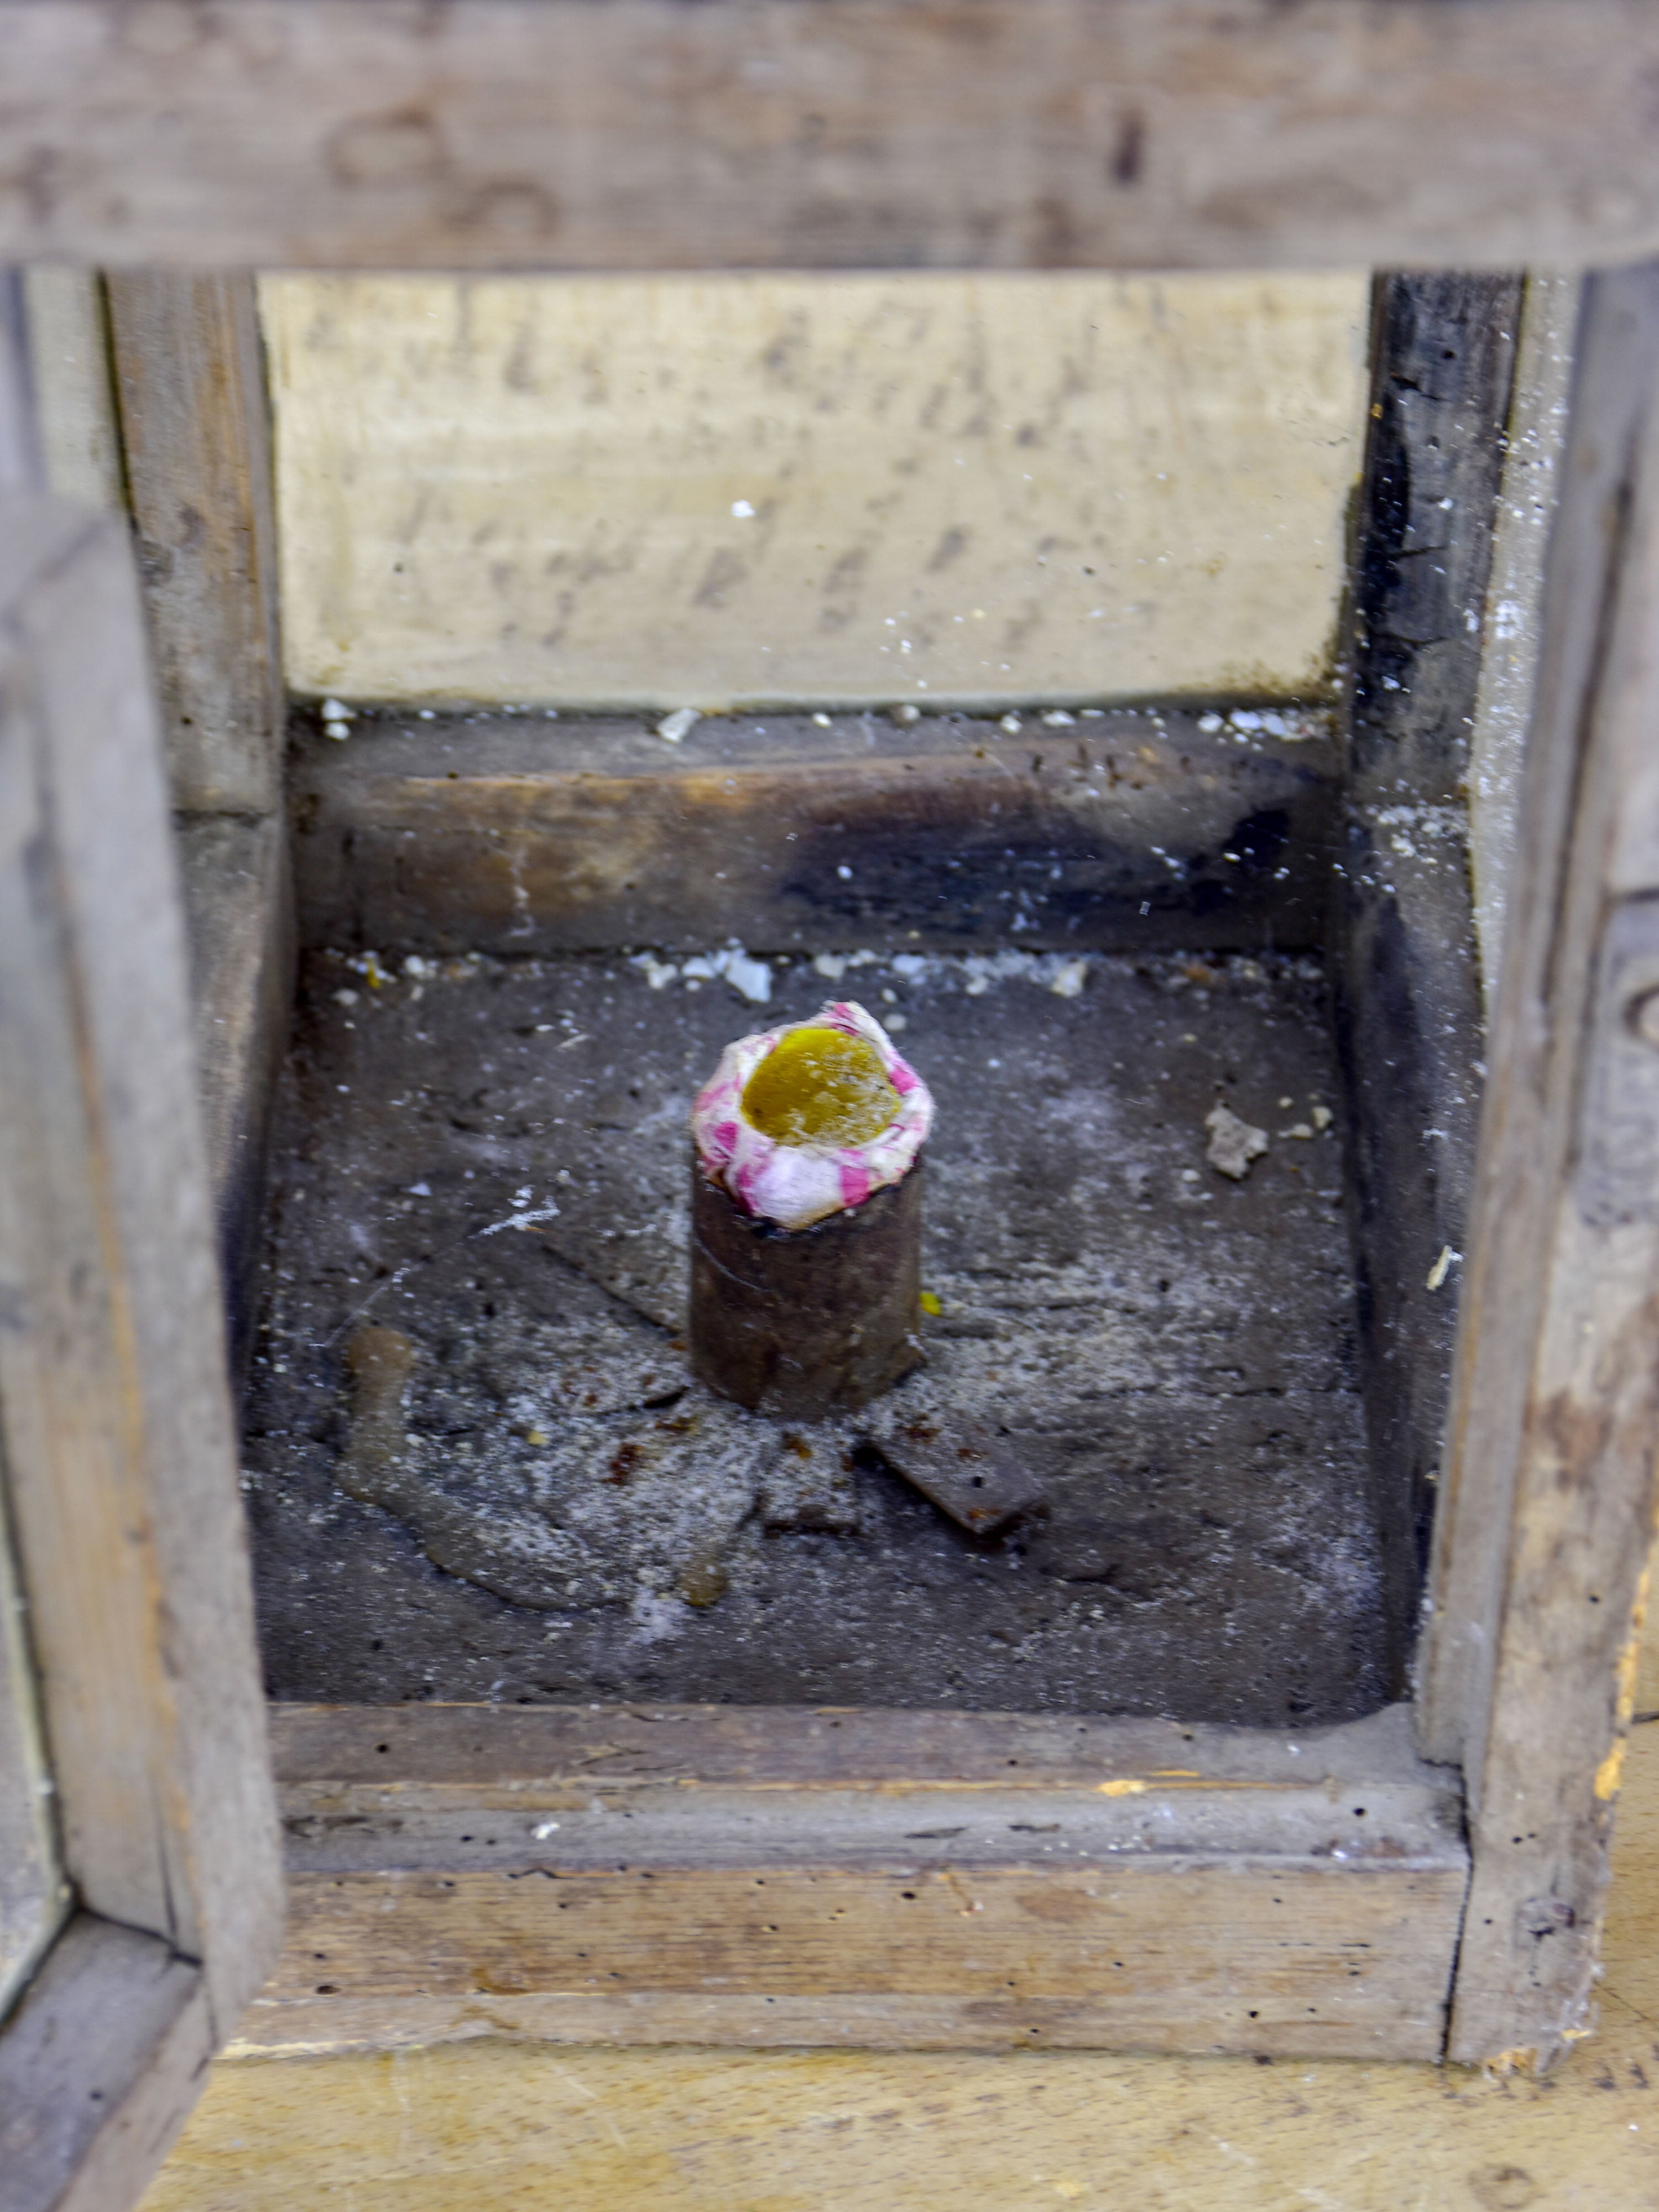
<point>1429,1882</point>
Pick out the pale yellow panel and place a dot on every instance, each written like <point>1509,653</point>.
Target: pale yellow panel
<point>640,491</point>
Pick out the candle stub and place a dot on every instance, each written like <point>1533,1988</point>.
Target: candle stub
<point>811,1118</point>
<point>820,1086</point>
<point>806,1217</point>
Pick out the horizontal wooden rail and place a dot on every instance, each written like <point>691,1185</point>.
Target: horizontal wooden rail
<point>641,134</point>
<point>1128,833</point>
<point>779,1875</point>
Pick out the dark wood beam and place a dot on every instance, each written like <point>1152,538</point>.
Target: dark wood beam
<point>1130,832</point>
<point>1403,948</point>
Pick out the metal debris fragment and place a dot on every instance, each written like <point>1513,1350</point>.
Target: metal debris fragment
<point>967,1469</point>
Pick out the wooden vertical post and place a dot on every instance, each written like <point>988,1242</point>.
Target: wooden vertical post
<point>1534,443</point>
<point>67,316</point>
<point>196,445</point>
<point>1407,994</point>
<point>119,1449</point>
<point>196,436</point>
<point>1529,1653</point>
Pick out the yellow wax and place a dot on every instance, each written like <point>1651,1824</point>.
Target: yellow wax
<point>819,1086</point>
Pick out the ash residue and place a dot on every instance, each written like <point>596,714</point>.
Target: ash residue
<point>549,1509</point>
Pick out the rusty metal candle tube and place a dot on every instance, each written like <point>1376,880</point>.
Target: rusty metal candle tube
<point>801,1323</point>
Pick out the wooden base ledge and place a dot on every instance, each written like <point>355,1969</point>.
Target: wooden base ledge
<point>839,2021</point>
<point>897,1881</point>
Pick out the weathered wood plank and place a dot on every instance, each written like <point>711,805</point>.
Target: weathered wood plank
<point>392,1749</point>
<point>34,1895</point>
<point>767,1875</point>
<point>852,133</point>
<point>1535,440</point>
<point>1408,1009</point>
<point>238,889</point>
<point>500,2123</point>
<point>1555,1429</point>
<point>196,444</point>
<point>119,1446</point>
<point>74,398</point>
<point>100,2066</point>
<point>1172,1954</point>
<point>522,837</point>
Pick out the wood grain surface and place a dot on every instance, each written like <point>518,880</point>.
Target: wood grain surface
<point>196,446</point>
<point>1534,443</point>
<point>505,2123</point>
<point>522,837</point>
<point>237,879</point>
<point>34,1898</point>
<point>755,1875</point>
<point>379,1754</point>
<point>1531,1650</point>
<point>1168,1955</point>
<point>120,1443</point>
<point>74,397</point>
<point>855,133</point>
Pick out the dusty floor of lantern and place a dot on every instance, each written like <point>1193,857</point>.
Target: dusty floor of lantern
<point>489,1158</point>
